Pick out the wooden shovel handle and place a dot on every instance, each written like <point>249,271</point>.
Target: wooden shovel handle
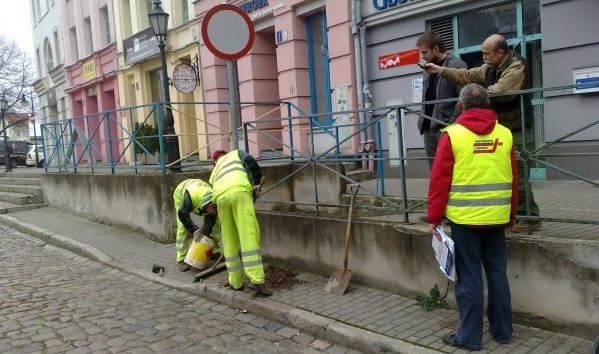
<point>349,222</point>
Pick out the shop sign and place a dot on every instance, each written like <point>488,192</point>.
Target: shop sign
<point>385,4</point>
<point>253,5</point>
<point>388,61</point>
<point>140,46</point>
<point>266,11</point>
<point>89,70</point>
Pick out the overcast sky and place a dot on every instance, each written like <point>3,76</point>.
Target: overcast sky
<point>15,23</point>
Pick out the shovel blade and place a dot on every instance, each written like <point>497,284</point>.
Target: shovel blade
<point>338,282</point>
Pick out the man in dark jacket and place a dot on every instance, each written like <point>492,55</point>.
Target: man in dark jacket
<point>474,183</point>
<point>436,87</point>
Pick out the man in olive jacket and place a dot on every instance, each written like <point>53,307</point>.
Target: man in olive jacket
<point>503,71</point>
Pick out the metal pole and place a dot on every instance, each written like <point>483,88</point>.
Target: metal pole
<point>171,139</point>
<point>6,150</point>
<point>233,112</point>
<point>37,159</point>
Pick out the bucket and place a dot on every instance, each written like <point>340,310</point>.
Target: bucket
<point>199,253</point>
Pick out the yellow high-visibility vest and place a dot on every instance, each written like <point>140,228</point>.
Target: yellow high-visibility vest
<point>481,185</point>
<point>199,191</point>
<point>229,175</point>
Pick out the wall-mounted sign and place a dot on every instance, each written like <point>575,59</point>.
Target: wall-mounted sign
<point>51,96</point>
<point>140,46</point>
<point>588,76</point>
<point>92,91</point>
<point>88,70</point>
<point>266,11</point>
<point>281,36</point>
<point>411,56</point>
<point>185,78</point>
<point>417,85</point>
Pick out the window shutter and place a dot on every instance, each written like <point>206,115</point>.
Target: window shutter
<point>444,28</point>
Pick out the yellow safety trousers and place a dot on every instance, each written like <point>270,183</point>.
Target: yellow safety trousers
<point>240,238</point>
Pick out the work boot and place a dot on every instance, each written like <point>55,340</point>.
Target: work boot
<point>229,286</point>
<point>525,226</point>
<point>260,289</point>
<point>183,267</point>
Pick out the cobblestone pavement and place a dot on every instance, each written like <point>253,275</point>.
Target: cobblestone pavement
<point>54,301</point>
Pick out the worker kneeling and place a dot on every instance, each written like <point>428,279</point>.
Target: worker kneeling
<point>195,196</point>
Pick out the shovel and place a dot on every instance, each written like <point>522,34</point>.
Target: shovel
<point>340,278</point>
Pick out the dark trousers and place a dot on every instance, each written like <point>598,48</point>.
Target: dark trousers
<point>431,139</point>
<point>477,249</point>
<point>523,184</point>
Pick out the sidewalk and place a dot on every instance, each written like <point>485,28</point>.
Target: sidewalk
<point>366,319</point>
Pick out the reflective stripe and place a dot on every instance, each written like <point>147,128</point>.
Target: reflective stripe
<point>252,263</point>
<point>232,258</point>
<point>234,268</point>
<point>481,187</point>
<point>250,253</point>
<point>225,166</point>
<point>478,202</point>
<point>224,173</point>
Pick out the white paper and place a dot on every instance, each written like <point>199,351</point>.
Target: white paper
<point>445,253</point>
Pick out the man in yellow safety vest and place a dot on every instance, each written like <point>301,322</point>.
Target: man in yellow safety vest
<point>193,196</point>
<point>474,183</point>
<point>235,181</point>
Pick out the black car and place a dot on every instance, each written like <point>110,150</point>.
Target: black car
<point>18,152</point>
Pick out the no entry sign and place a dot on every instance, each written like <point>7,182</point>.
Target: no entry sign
<point>227,31</point>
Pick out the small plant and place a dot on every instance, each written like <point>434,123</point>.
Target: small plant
<point>433,301</point>
<point>146,135</point>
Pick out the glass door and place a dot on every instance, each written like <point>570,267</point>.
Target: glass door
<point>318,66</point>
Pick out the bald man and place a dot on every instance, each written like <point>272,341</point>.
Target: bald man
<point>503,71</point>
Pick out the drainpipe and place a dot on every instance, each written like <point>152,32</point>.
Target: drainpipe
<point>366,91</point>
<point>356,9</point>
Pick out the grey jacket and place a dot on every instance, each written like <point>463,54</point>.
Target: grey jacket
<point>446,88</point>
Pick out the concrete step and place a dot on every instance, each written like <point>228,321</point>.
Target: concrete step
<point>359,175</point>
<point>19,198</point>
<point>37,181</point>
<point>35,190</point>
<point>24,173</point>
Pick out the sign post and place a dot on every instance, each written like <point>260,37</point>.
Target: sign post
<point>228,32</point>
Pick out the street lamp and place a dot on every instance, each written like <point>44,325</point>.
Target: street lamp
<point>159,22</point>
<point>3,108</point>
<point>23,103</point>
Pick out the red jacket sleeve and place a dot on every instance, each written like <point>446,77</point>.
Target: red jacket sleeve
<point>440,181</point>
<point>514,207</point>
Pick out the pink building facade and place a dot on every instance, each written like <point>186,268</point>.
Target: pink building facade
<point>91,69</point>
<point>303,53</point>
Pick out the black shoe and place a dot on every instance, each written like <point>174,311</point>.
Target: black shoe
<point>450,339</point>
<point>183,267</point>
<point>260,289</point>
<point>503,341</point>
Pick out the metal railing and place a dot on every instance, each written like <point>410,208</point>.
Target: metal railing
<point>107,141</point>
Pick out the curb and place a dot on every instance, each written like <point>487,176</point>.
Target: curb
<point>320,326</point>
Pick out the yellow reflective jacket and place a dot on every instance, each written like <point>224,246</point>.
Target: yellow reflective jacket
<point>229,176</point>
<point>481,185</point>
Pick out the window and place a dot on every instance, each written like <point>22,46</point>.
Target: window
<point>89,42</point>
<point>49,56</point>
<point>145,20</point>
<point>184,11</point>
<point>318,66</point>
<point>38,62</point>
<point>57,48</point>
<point>105,25</point>
<point>73,42</point>
<point>126,18</point>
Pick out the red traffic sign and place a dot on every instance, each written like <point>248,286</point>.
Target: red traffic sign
<point>228,31</point>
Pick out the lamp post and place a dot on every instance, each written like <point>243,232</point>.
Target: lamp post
<point>159,22</point>
<point>3,108</point>
<point>23,103</point>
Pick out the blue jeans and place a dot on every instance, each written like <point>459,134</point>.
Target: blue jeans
<point>475,249</point>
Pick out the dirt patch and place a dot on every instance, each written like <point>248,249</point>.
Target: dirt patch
<point>281,278</point>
